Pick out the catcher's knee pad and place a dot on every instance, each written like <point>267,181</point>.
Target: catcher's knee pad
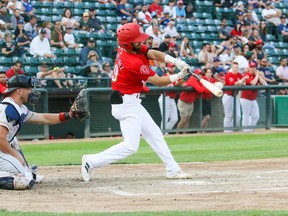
<point>23,183</point>
<point>7,183</point>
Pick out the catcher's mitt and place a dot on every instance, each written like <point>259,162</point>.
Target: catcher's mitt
<point>79,108</point>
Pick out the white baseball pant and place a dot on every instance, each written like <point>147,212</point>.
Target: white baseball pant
<point>171,113</point>
<point>134,121</point>
<point>250,113</point>
<point>228,104</point>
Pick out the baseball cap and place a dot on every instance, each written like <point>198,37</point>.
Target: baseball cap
<point>153,14</point>
<point>166,10</point>
<point>92,9</point>
<point>198,71</point>
<point>167,36</point>
<point>44,64</point>
<point>172,44</point>
<point>180,2</point>
<point>124,18</point>
<point>42,31</point>
<point>283,16</point>
<point>249,54</point>
<point>240,13</point>
<point>85,14</point>
<point>91,40</point>
<point>20,22</point>
<point>169,65</point>
<point>252,64</point>
<point>236,45</point>
<point>216,59</point>
<point>69,28</point>
<point>268,3</point>
<point>257,42</point>
<point>94,64</point>
<point>240,3</point>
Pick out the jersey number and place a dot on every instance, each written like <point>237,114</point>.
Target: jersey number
<point>115,73</point>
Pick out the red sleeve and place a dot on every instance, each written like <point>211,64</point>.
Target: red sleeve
<point>195,84</point>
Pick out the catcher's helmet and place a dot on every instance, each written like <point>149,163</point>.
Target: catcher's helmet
<point>130,32</point>
<point>198,71</point>
<point>18,81</point>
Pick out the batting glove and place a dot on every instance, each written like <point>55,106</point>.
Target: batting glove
<point>180,64</point>
<point>184,72</point>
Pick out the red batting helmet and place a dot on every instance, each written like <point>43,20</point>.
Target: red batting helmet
<point>130,32</point>
<point>198,71</point>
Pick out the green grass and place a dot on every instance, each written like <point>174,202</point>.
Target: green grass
<point>203,148</point>
<point>174,213</point>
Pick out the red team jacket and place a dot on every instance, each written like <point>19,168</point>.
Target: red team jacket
<point>230,80</point>
<point>130,70</point>
<point>190,97</point>
<point>249,94</point>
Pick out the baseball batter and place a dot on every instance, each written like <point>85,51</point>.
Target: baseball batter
<point>249,105</point>
<point>130,70</point>
<point>15,173</point>
<point>171,113</point>
<point>233,78</point>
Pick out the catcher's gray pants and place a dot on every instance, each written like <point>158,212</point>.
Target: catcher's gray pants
<point>12,174</point>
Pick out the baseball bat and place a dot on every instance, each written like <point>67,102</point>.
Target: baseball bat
<point>211,87</point>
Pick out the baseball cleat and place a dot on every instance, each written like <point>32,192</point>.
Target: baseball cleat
<point>39,178</point>
<point>179,175</point>
<point>85,170</point>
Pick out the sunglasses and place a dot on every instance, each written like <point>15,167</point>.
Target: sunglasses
<point>107,65</point>
<point>92,55</point>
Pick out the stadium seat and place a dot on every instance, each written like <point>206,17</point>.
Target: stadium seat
<point>6,61</point>
<point>3,68</point>
<point>46,11</point>
<point>30,70</point>
<point>32,60</point>
<point>57,61</point>
<point>58,4</point>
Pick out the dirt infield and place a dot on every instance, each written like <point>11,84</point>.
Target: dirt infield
<point>236,185</point>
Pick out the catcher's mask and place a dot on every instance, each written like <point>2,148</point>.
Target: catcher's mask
<point>23,81</point>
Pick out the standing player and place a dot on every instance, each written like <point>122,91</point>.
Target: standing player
<point>130,70</point>
<point>249,105</point>
<point>15,173</point>
<point>171,114</point>
<point>233,78</point>
<point>186,100</point>
<point>206,98</point>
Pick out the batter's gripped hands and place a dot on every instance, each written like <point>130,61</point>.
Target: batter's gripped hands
<point>180,64</point>
<point>184,72</point>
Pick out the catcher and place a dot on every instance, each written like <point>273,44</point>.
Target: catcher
<point>15,173</point>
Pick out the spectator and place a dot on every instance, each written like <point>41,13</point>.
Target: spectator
<point>157,8</point>
<point>154,32</point>
<point>236,51</point>
<point>106,68</point>
<point>229,43</point>
<point>16,18</point>
<point>95,23</point>
<point>255,35</point>
<point>69,39</point>
<point>44,73</point>
<point>254,16</point>
<point>186,49</point>
<point>233,78</point>
<point>28,9</point>
<point>248,102</point>
<point>171,30</point>
<point>31,25</point>
<point>224,30</point>
<point>57,39</point>
<point>5,17</point>
<point>263,30</point>
<point>60,73</point>
<point>225,59</point>
<point>122,10</point>
<point>246,51</point>
<point>149,42</point>
<point>14,5</point>
<point>9,47</point>
<point>100,79</point>
<point>93,58</point>
<point>19,29</point>
<point>189,10</point>
<point>172,50</point>
<point>170,8</point>
<point>256,3</point>
<point>23,42</point>
<point>180,10</point>
<point>266,72</point>
<point>258,52</point>
<point>15,69</point>
<point>144,15</point>
<point>250,21</point>
<point>237,30</point>
<point>271,14</point>
<point>161,69</point>
<point>240,7</point>
<point>282,71</point>
<point>47,26</point>
<point>164,21</point>
<point>186,100</point>
<point>40,46</point>
<point>218,72</point>
<point>203,54</point>
<point>283,28</point>
<point>206,98</point>
<point>3,84</point>
<point>215,50</point>
<point>164,45</point>
<point>68,20</point>
<point>85,23</point>
<point>171,114</point>
<point>85,51</point>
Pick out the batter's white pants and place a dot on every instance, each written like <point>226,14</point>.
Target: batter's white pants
<point>134,121</point>
<point>171,113</point>
<point>250,112</point>
<point>228,104</point>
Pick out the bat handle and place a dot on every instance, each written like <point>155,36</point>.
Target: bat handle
<point>193,74</point>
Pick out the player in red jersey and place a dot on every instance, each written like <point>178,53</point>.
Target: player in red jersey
<point>249,105</point>
<point>186,100</point>
<point>131,69</point>
<point>233,78</point>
